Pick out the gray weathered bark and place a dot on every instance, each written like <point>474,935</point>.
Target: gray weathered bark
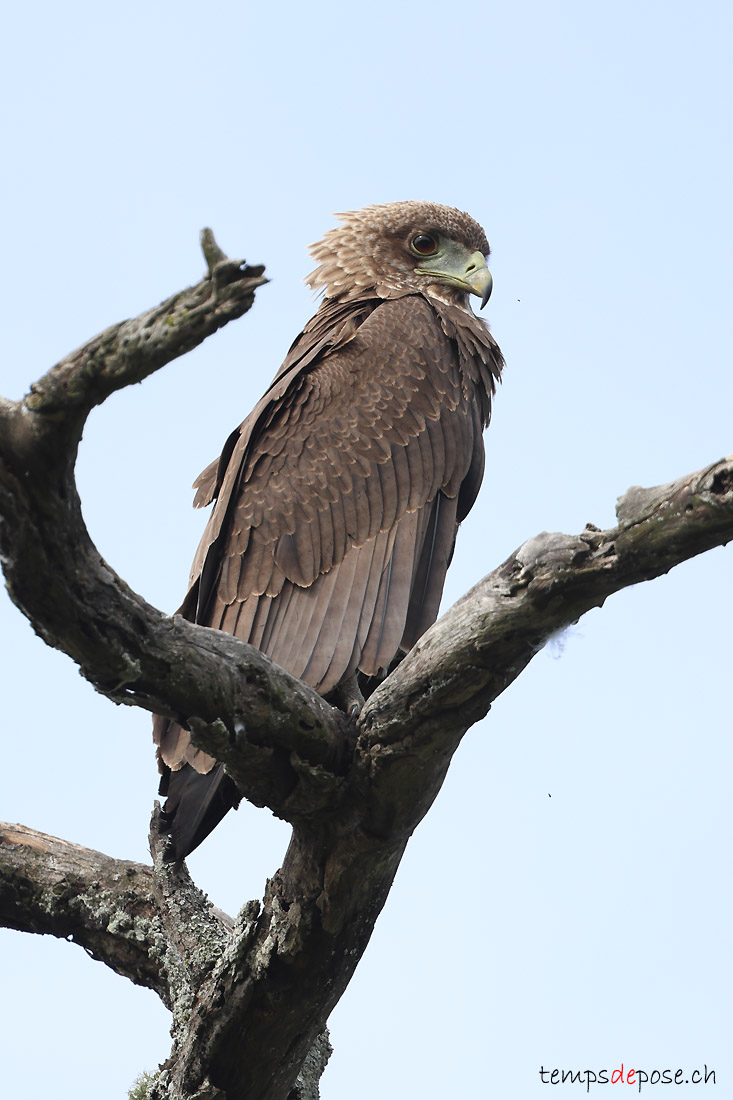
<point>250,998</point>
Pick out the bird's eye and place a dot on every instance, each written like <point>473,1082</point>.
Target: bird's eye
<point>424,244</point>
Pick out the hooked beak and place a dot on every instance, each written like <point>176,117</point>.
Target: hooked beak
<point>478,277</point>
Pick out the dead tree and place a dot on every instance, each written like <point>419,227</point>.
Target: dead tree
<point>250,998</point>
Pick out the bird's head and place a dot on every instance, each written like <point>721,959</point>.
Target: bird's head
<point>403,247</point>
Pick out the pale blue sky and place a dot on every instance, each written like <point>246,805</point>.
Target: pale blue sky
<point>593,143</point>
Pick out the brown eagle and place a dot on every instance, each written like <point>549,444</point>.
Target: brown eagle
<point>339,497</point>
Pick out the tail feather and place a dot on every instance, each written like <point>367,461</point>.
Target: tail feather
<point>195,805</point>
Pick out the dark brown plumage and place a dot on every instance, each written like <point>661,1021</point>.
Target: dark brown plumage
<point>339,497</point>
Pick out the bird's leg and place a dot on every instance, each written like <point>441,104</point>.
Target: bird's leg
<point>348,697</point>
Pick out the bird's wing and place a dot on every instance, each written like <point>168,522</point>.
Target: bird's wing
<point>338,501</point>
<point>333,326</point>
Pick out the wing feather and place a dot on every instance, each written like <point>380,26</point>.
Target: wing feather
<point>278,613</point>
<point>401,468</point>
<point>292,626</point>
<point>431,568</point>
<point>350,575</point>
<point>389,493</point>
<point>337,529</point>
<point>359,610</point>
<point>227,621</point>
<point>245,618</point>
<point>296,647</point>
<point>388,625</point>
<point>427,488</point>
<point>363,515</point>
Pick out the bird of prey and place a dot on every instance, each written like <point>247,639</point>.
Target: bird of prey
<point>338,499</point>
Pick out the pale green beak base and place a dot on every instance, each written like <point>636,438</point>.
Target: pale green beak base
<point>457,267</point>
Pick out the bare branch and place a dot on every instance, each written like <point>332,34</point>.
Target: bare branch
<point>212,253</point>
<point>56,888</point>
<point>130,351</point>
<point>194,928</point>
